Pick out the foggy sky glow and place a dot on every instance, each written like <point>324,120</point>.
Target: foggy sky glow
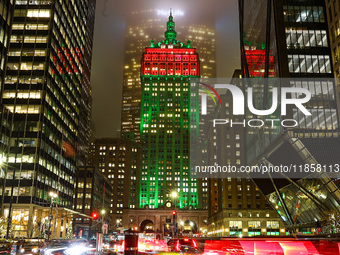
<point>108,49</point>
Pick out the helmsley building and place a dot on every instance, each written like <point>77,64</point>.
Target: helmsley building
<point>165,180</point>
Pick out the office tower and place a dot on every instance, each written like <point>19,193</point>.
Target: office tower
<point>332,9</point>
<point>6,13</point>
<point>165,180</point>
<point>295,35</point>
<point>5,133</point>
<point>85,131</point>
<point>119,160</point>
<point>93,192</point>
<point>42,88</point>
<point>166,70</point>
<point>236,205</point>
<point>148,25</point>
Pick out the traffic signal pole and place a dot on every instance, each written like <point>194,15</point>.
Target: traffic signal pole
<point>174,222</point>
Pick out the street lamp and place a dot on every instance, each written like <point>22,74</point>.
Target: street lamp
<point>102,212</point>
<point>52,195</point>
<point>117,223</point>
<point>174,194</point>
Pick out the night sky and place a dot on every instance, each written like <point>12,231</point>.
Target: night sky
<point>108,49</point>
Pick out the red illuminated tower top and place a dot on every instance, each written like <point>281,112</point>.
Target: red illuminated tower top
<point>170,57</point>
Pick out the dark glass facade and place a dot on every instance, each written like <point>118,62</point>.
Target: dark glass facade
<point>6,12</point>
<point>45,79</point>
<point>294,35</point>
<point>85,131</point>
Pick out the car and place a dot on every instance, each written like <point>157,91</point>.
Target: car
<point>183,245</point>
<point>5,248</point>
<point>27,248</point>
<point>55,247</point>
<point>79,247</point>
<point>171,244</point>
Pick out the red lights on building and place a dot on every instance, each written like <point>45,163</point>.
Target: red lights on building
<point>170,57</point>
<point>168,61</point>
<point>256,63</point>
<point>66,63</point>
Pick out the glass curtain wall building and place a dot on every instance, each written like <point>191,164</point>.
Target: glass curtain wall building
<point>333,8</point>
<point>6,12</point>
<point>43,87</point>
<point>85,131</point>
<point>295,39</point>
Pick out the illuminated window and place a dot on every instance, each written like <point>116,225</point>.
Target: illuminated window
<point>38,13</point>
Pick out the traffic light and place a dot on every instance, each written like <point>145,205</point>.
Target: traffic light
<point>94,215</point>
<point>174,214</point>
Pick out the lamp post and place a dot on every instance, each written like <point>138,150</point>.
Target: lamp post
<point>174,195</point>
<point>102,212</point>
<point>52,195</point>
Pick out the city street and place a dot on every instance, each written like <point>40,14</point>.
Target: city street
<point>217,246</point>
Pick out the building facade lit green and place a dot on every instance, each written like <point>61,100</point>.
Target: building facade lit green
<point>166,70</point>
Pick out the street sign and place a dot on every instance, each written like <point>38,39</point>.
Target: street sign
<point>105,228</point>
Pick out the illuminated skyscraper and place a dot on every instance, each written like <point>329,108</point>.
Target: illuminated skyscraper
<point>296,38</point>
<point>167,67</point>
<point>149,25</point>
<point>6,12</point>
<point>43,88</point>
<point>85,131</point>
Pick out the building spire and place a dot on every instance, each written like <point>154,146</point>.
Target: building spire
<point>170,33</point>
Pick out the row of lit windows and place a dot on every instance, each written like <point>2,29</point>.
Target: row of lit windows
<point>29,39</point>
<point>32,13</point>
<point>24,109</point>
<point>33,2</point>
<point>27,52</point>
<point>86,206</point>
<point>30,26</point>
<point>33,94</point>
<point>81,195</point>
<point>254,224</point>
<point>88,185</point>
